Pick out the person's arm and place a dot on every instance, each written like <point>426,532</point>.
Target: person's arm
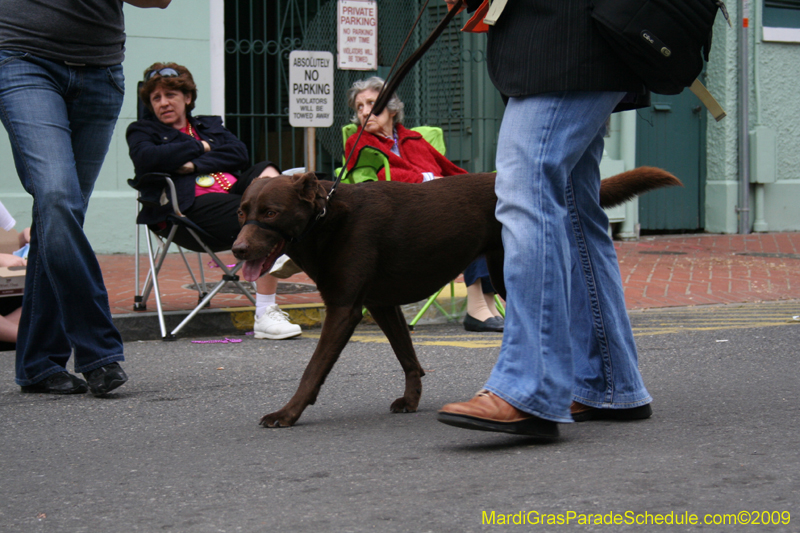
<point>24,237</point>
<point>161,4</point>
<point>401,174</point>
<point>8,260</point>
<point>446,167</point>
<point>424,162</point>
<point>149,156</point>
<point>227,154</point>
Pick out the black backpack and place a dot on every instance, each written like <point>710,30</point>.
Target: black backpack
<point>663,41</point>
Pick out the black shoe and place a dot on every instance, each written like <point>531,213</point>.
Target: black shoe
<point>494,323</point>
<point>584,413</point>
<point>61,383</point>
<point>105,379</point>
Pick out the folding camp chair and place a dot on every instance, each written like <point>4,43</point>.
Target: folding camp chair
<point>158,189</point>
<point>370,161</point>
<point>183,233</point>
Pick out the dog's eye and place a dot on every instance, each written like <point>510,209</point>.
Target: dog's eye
<point>240,214</point>
<point>271,214</point>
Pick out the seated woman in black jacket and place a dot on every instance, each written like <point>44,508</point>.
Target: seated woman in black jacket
<point>210,168</point>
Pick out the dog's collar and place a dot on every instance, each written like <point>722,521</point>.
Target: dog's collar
<point>285,236</point>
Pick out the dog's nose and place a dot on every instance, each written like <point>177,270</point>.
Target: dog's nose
<point>239,249</point>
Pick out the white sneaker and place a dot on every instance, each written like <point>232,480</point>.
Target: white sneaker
<point>274,324</point>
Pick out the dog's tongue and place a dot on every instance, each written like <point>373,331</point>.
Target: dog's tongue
<point>252,269</point>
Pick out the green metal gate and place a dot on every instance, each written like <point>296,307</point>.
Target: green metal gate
<point>449,87</point>
<point>670,134</point>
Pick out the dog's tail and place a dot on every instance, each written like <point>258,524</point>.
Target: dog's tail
<point>622,187</point>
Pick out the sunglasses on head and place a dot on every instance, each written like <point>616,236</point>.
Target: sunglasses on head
<point>166,72</point>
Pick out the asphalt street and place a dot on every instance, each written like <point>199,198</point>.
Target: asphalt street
<point>179,448</point>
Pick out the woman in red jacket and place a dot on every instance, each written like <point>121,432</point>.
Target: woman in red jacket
<point>412,159</point>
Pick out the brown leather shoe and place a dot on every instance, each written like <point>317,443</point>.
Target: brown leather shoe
<point>488,412</point>
<point>584,413</point>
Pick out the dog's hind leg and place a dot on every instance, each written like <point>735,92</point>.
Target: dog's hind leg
<point>494,260</point>
<point>394,326</point>
<point>338,327</point>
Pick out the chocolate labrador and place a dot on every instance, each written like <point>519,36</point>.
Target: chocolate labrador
<point>380,245</point>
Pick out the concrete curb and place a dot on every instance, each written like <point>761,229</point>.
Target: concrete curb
<point>143,326</point>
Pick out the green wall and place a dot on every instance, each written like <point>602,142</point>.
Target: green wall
<point>774,103</point>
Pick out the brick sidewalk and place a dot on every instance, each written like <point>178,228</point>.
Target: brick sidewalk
<point>175,283</point>
<point>673,271</point>
<point>663,271</point>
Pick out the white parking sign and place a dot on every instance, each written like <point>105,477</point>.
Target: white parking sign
<point>310,89</point>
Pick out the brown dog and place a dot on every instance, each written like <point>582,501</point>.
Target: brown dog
<point>381,245</point>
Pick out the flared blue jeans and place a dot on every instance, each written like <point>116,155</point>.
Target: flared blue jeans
<point>567,333</point>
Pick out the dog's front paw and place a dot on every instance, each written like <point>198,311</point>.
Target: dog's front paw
<point>278,419</point>
<point>401,405</point>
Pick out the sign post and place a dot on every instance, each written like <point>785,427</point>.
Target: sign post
<point>311,96</point>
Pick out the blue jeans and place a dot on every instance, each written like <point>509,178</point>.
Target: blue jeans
<point>567,333</point>
<point>59,120</point>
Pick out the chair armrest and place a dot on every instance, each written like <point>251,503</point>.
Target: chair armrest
<point>152,187</point>
<point>369,162</point>
<point>149,180</point>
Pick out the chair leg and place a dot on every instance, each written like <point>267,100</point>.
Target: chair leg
<point>137,298</point>
<point>425,307</point>
<point>231,276</point>
<point>154,277</point>
<point>453,314</point>
<point>163,247</point>
<point>201,286</point>
<point>202,277</point>
<point>223,266</point>
<point>499,304</point>
<point>234,278</point>
<point>205,301</point>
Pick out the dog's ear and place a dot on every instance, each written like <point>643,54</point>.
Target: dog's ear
<point>308,187</point>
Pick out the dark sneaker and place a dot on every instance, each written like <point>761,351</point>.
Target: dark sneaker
<point>61,383</point>
<point>105,379</point>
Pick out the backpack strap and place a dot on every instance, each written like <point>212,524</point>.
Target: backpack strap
<point>708,100</point>
<point>495,10</point>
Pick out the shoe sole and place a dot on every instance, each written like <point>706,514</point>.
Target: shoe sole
<point>636,413</point>
<point>484,330</point>
<point>530,428</point>
<point>259,335</point>
<point>475,325</point>
<point>76,390</point>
